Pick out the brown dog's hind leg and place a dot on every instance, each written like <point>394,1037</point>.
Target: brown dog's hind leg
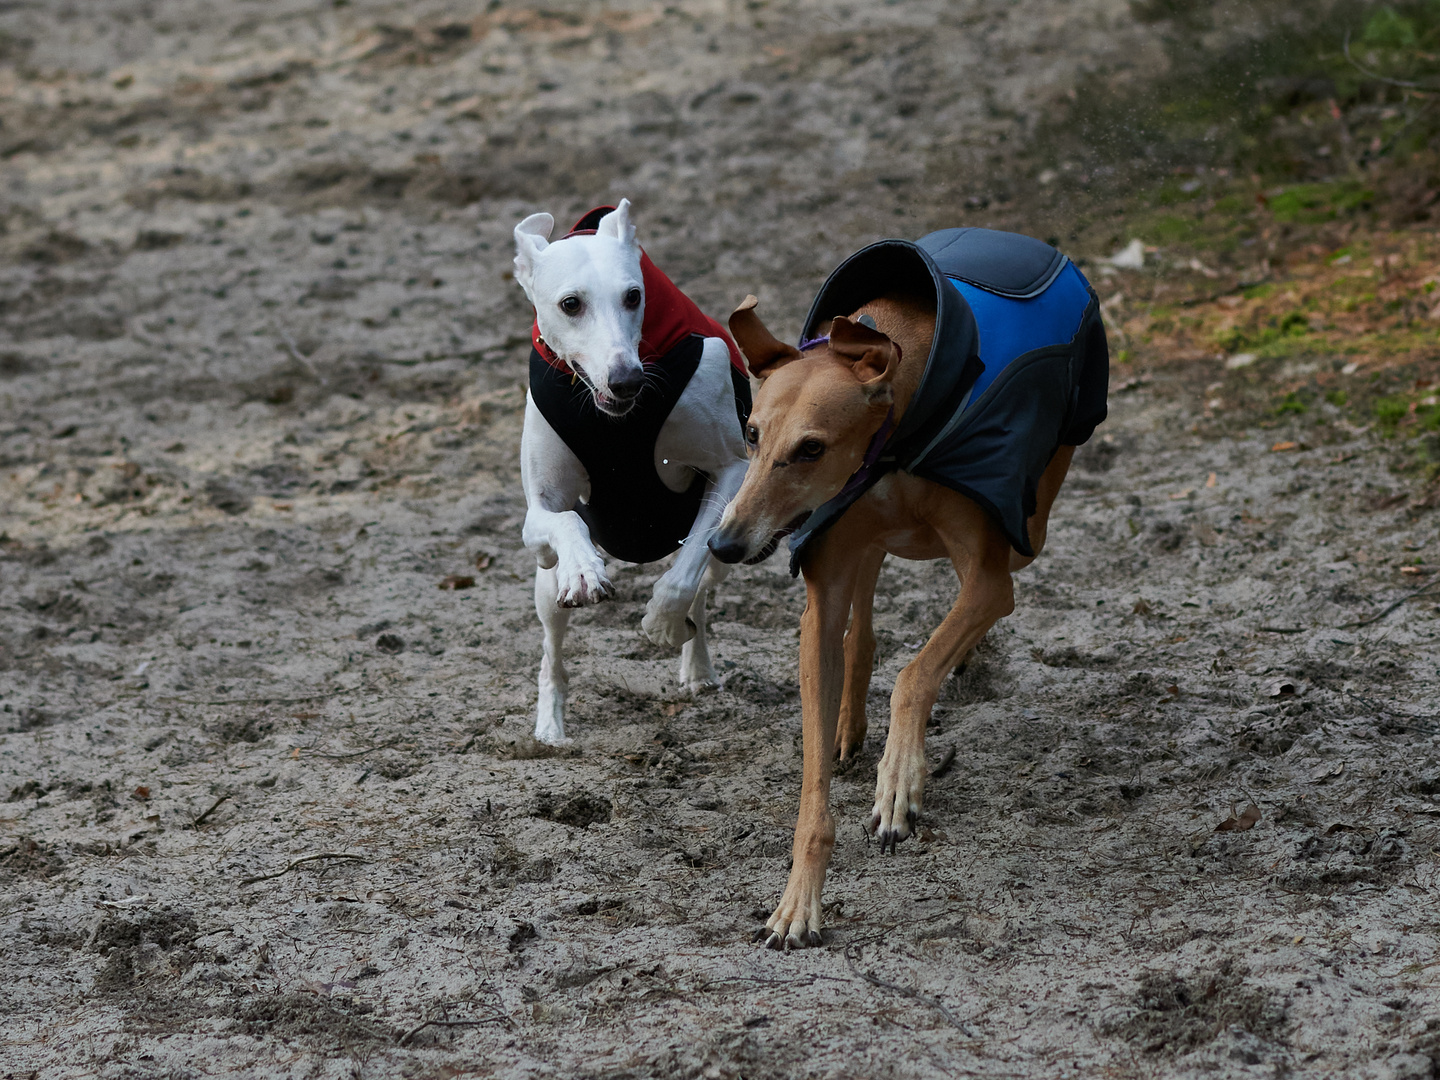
<point>980,555</point>
<point>859,656</point>
<point>1045,492</point>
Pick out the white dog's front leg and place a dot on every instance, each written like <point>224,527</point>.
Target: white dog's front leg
<point>554,480</point>
<point>554,680</point>
<point>561,544</point>
<point>667,616</point>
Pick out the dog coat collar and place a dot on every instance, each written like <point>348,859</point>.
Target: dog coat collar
<point>670,315</point>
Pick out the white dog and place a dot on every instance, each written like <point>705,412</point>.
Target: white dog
<point>632,441</point>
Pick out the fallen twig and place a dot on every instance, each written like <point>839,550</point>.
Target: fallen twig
<point>1280,629</point>
<point>213,807</point>
<point>905,991</point>
<point>500,1017</point>
<point>303,859</point>
<point>1376,618</point>
<point>258,700</point>
<point>945,763</point>
<point>358,753</point>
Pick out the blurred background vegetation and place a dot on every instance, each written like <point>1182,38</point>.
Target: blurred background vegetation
<point>1284,173</point>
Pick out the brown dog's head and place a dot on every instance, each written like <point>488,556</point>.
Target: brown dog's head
<point>812,421</point>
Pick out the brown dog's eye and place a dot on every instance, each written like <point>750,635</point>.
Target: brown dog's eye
<point>752,434</point>
<point>571,305</point>
<point>809,450</point>
<point>633,298</point>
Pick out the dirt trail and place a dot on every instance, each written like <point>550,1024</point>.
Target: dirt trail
<point>272,808</point>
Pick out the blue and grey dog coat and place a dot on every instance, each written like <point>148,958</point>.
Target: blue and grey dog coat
<point>1018,367</point>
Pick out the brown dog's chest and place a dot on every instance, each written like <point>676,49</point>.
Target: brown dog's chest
<point>895,517</point>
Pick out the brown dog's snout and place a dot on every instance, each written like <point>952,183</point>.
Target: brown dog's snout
<point>727,545</point>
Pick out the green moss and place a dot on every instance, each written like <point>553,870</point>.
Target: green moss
<point>1173,229</point>
<point>1389,411</point>
<point>1259,292</point>
<point>1295,324</point>
<point>1292,406</point>
<point>1311,204</point>
<point>1337,397</point>
<point>1387,29</point>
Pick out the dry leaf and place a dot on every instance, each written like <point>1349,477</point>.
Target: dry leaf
<point>1184,494</point>
<point>1327,772</point>
<point>1142,607</point>
<point>1244,823</point>
<point>458,581</point>
<point>1280,688</point>
<point>483,560</point>
<point>1212,481</point>
<point>140,794</point>
<point>1280,447</point>
<point>295,753</point>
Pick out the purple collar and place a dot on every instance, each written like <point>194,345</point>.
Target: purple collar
<point>810,343</point>
<point>872,455</point>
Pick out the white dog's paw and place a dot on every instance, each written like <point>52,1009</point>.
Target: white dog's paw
<point>899,791</point>
<point>667,621</point>
<point>582,581</point>
<point>698,676</point>
<point>550,714</point>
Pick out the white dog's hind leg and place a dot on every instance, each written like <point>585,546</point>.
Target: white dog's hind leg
<point>697,673</point>
<point>554,680</point>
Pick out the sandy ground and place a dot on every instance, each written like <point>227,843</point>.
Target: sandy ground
<point>272,805</point>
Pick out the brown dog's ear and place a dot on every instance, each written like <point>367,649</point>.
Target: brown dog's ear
<point>766,354</point>
<point>873,356</point>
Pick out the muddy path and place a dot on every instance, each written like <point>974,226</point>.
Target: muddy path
<point>271,808</point>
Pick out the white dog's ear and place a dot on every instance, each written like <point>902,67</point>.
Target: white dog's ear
<point>617,224</point>
<point>532,236</point>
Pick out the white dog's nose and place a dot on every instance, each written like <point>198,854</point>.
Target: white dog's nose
<point>625,381</point>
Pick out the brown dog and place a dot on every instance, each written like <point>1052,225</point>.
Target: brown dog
<point>816,421</point>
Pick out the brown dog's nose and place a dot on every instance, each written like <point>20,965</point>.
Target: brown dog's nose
<point>726,549</point>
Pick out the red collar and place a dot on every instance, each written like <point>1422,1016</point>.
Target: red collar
<point>670,315</point>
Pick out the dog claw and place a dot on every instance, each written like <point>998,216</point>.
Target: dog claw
<point>814,939</point>
<point>761,934</point>
<point>774,941</point>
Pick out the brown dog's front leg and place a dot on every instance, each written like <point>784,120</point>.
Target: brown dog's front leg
<point>829,583</point>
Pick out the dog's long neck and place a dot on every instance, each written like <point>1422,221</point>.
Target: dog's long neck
<point>909,322</point>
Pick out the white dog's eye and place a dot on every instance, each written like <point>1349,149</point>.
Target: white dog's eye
<point>633,298</point>
<point>571,305</point>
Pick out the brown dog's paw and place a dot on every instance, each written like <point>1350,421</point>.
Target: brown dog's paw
<point>796,922</point>
<point>899,792</point>
<point>849,737</point>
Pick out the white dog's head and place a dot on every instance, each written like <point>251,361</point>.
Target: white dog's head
<point>589,300</point>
